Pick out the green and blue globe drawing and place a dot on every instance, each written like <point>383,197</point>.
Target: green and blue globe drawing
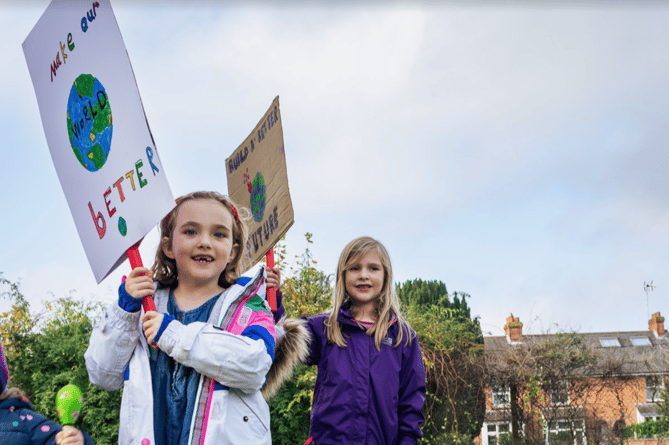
<point>258,197</point>
<point>89,122</point>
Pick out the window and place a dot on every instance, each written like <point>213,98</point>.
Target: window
<point>640,341</point>
<point>559,392</point>
<point>609,342</point>
<point>566,432</point>
<point>618,429</point>
<point>496,432</point>
<point>501,396</point>
<point>654,388</point>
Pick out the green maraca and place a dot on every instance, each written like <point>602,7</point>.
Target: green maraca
<point>68,404</point>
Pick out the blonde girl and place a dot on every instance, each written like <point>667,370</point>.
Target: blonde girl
<point>370,387</point>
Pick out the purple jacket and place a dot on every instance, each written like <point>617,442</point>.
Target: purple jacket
<point>364,396</point>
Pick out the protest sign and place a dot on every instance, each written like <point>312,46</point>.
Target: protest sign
<point>258,179</point>
<point>96,129</point>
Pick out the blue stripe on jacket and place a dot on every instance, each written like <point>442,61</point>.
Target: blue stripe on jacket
<point>256,332</point>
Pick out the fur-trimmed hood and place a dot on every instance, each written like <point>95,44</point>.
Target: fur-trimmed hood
<point>291,349</point>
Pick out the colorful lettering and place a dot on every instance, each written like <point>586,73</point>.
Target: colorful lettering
<point>105,195</point>
<point>62,51</point>
<point>117,185</point>
<point>99,221</point>
<point>90,15</point>
<point>129,175</point>
<point>149,154</point>
<point>142,183</point>
<point>55,65</point>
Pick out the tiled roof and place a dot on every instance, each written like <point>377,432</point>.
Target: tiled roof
<point>626,359</point>
<point>647,409</point>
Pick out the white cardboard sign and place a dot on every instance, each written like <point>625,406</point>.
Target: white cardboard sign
<point>96,130</point>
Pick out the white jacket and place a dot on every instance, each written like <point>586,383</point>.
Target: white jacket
<point>238,415</point>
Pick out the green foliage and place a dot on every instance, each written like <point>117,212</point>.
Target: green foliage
<point>290,408</point>
<point>650,428</point>
<point>307,291</point>
<point>452,346</point>
<point>46,352</point>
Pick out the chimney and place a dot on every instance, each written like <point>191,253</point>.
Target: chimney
<point>656,324</point>
<point>514,329</point>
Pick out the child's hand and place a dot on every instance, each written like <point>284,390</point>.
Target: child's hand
<point>152,321</point>
<point>139,283</point>
<point>69,436</point>
<point>274,277</point>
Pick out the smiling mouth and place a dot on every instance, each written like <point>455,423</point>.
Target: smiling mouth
<point>203,259</point>
<point>364,286</point>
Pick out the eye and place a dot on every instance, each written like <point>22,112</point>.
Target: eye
<point>355,268</point>
<point>221,235</point>
<point>189,232</point>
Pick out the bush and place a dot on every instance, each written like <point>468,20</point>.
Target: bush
<point>46,352</point>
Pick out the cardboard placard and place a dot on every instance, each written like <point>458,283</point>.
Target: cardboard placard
<point>96,129</point>
<point>258,180</point>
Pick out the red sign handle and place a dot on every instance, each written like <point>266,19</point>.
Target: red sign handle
<point>136,261</point>
<point>271,292</point>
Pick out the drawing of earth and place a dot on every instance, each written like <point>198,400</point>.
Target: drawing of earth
<point>258,197</point>
<point>89,122</point>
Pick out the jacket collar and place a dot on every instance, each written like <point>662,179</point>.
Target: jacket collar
<point>16,403</point>
<point>345,316</point>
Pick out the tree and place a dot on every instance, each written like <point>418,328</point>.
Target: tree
<point>306,291</point>
<point>452,346</point>
<point>46,352</point>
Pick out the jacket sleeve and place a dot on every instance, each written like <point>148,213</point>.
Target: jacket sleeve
<point>238,361</point>
<point>315,327</point>
<point>42,431</point>
<point>112,343</point>
<point>412,393</point>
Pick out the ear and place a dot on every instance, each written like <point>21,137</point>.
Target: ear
<point>167,248</point>
<point>233,253</point>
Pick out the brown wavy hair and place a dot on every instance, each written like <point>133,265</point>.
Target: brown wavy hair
<point>165,268</point>
<point>387,305</point>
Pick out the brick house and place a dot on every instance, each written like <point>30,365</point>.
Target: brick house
<point>572,389</point>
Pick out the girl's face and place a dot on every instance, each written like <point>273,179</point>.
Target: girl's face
<point>202,242</point>
<point>364,279</point>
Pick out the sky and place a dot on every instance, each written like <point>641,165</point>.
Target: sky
<point>515,151</point>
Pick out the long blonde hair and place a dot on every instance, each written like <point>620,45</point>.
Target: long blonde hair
<point>165,268</point>
<point>388,304</point>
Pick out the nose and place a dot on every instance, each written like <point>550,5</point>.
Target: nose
<point>204,240</point>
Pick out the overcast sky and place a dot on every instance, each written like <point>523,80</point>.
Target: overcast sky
<point>517,153</point>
